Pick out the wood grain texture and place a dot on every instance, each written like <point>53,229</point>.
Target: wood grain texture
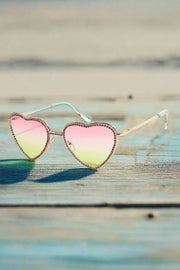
<point>145,168</point>
<point>89,239</point>
<point>120,64</point>
<point>76,218</point>
<point>56,214</point>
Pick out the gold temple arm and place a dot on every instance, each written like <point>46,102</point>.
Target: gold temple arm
<point>155,117</point>
<point>84,116</point>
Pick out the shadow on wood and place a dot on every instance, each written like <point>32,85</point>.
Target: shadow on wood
<point>14,170</point>
<point>67,175</point>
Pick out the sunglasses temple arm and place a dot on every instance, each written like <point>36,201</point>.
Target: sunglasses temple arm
<point>155,117</point>
<point>84,116</point>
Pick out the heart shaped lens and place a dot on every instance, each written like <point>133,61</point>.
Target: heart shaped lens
<point>92,145</point>
<point>31,135</point>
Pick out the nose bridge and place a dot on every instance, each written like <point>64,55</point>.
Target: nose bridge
<point>56,133</point>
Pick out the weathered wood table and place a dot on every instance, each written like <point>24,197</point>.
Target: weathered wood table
<point>119,62</point>
<point>57,214</point>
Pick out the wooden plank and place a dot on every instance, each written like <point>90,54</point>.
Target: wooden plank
<point>89,239</point>
<point>103,74</point>
<point>93,34</point>
<point>115,184</point>
<point>145,168</point>
<point>106,83</point>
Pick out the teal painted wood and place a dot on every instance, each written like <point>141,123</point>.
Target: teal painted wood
<point>89,239</point>
<point>50,184</point>
<point>144,169</point>
<point>144,172</point>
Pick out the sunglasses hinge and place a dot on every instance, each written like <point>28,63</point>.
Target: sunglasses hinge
<point>56,133</point>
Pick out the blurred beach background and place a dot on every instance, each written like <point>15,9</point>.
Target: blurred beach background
<point>71,50</point>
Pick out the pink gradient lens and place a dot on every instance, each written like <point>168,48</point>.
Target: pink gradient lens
<point>91,145</point>
<point>31,135</point>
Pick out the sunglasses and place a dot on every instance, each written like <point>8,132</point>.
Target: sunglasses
<point>92,144</point>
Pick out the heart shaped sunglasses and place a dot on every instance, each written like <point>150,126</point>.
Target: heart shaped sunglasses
<point>92,144</point>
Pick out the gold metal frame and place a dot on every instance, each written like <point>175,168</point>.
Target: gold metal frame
<point>155,117</point>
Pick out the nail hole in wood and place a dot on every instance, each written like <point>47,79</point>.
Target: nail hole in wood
<point>130,96</point>
<point>150,215</point>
